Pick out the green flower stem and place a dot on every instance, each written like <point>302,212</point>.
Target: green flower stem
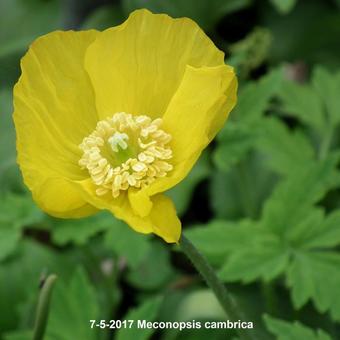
<point>43,308</point>
<point>223,296</point>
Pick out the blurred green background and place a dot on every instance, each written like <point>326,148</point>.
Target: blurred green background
<point>263,202</point>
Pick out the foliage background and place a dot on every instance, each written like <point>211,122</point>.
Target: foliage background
<point>263,203</point>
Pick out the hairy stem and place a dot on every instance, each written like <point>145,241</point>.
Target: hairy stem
<point>223,296</point>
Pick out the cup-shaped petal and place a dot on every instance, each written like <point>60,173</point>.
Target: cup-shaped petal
<point>54,108</point>
<point>136,67</point>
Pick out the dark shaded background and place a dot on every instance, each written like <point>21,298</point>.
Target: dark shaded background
<point>262,203</point>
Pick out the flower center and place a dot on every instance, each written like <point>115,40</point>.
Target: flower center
<point>126,151</point>
<point>118,139</point>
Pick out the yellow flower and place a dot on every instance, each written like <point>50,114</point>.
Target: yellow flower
<point>111,120</point>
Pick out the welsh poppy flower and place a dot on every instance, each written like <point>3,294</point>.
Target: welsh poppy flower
<point>111,120</point>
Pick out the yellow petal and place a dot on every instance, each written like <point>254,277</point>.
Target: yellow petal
<point>199,109</point>
<point>137,66</point>
<point>195,114</point>
<point>120,206</point>
<point>162,219</point>
<point>140,202</point>
<point>53,110</point>
<point>65,204</point>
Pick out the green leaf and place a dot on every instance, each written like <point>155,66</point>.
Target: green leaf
<point>315,275</point>
<point>181,194</point>
<point>20,276</point>
<point>291,214</point>
<point>154,270</point>
<point>235,194</point>
<point>19,335</point>
<point>36,18</point>
<point>238,137</point>
<point>73,305</point>
<point>10,177</point>
<point>245,250</point>
<point>146,311</point>
<point>225,196</point>
<point>283,6</point>
<point>7,145</point>
<point>9,238</point>
<point>17,211</point>
<point>79,231</point>
<point>217,239</point>
<point>286,151</point>
<point>235,142</point>
<point>284,330</point>
<point>104,17</point>
<point>266,261</point>
<point>290,222</point>
<point>309,225</point>
<point>302,102</point>
<point>126,243</point>
<point>328,87</point>
<point>326,233</point>
<point>306,277</point>
<point>254,97</point>
<point>294,197</point>
<point>206,12</point>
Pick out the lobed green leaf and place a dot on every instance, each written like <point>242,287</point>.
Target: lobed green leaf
<point>146,311</point>
<point>73,305</point>
<point>294,197</point>
<point>284,330</point>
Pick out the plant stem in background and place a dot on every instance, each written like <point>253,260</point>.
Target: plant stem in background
<point>43,308</point>
<point>223,296</point>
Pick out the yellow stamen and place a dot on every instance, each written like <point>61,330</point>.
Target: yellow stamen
<point>138,140</point>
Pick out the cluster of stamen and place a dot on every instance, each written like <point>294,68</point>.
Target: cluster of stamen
<point>126,151</point>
